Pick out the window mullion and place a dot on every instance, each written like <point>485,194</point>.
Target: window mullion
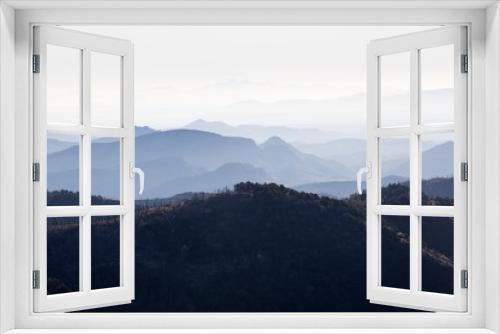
<point>415,237</point>
<point>85,237</point>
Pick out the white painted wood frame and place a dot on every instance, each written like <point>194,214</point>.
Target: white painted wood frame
<point>86,297</point>
<point>482,314</point>
<point>412,44</point>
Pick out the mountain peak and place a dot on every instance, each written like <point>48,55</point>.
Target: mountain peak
<point>143,130</point>
<point>274,141</point>
<point>201,122</point>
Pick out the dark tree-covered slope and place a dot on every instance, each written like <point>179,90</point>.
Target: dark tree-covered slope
<point>259,248</point>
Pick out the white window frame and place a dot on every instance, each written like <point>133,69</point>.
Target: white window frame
<point>15,230</point>
<point>86,297</point>
<point>415,297</point>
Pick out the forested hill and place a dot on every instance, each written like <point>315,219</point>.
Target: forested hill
<point>260,248</point>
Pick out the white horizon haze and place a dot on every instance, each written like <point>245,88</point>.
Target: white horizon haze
<point>293,76</point>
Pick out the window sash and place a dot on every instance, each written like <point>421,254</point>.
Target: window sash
<point>85,297</point>
<point>414,297</point>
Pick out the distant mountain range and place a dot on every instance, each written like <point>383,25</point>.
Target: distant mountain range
<point>56,143</point>
<point>184,160</point>
<point>352,151</point>
<point>339,117</point>
<point>342,189</point>
<point>261,133</point>
<point>223,177</point>
<point>432,187</point>
<point>436,162</point>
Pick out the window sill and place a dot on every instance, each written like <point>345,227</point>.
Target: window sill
<point>253,331</point>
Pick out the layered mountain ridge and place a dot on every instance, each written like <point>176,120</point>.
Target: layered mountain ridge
<point>186,160</point>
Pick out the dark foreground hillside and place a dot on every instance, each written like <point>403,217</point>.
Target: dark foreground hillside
<point>259,248</point>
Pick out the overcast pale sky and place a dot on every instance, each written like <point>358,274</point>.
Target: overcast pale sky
<point>303,76</point>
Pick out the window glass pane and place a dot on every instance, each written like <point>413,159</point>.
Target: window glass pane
<point>396,251</point>
<point>437,254</point>
<point>63,257</point>
<point>63,84</point>
<point>395,90</point>
<point>395,170</point>
<point>105,90</point>
<point>106,157</point>
<point>437,83</point>
<point>437,169</point>
<point>63,170</point>
<point>105,252</point>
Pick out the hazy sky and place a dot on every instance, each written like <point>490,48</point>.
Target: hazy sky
<point>299,76</point>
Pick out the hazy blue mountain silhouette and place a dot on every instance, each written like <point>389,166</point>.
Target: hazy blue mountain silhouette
<point>191,156</point>
<point>290,166</point>
<point>217,180</point>
<point>63,180</point>
<point>436,162</point>
<point>204,149</point>
<point>351,152</point>
<point>181,154</point>
<point>104,182</point>
<point>139,131</point>
<point>56,145</point>
<point>434,187</point>
<point>143,130</point>
<point>105,155</point>
<point>214,126</point>
<point>281,162</point>
<point>166,169</point>
<point>261,133</point>
<point>342,189</point>
<point>338,147</point>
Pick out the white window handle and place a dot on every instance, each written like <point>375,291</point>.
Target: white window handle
<point>359,176</point>
<point>135,170</point>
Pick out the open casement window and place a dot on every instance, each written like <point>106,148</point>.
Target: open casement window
<point>83,99</point>
<point>417,95</point>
